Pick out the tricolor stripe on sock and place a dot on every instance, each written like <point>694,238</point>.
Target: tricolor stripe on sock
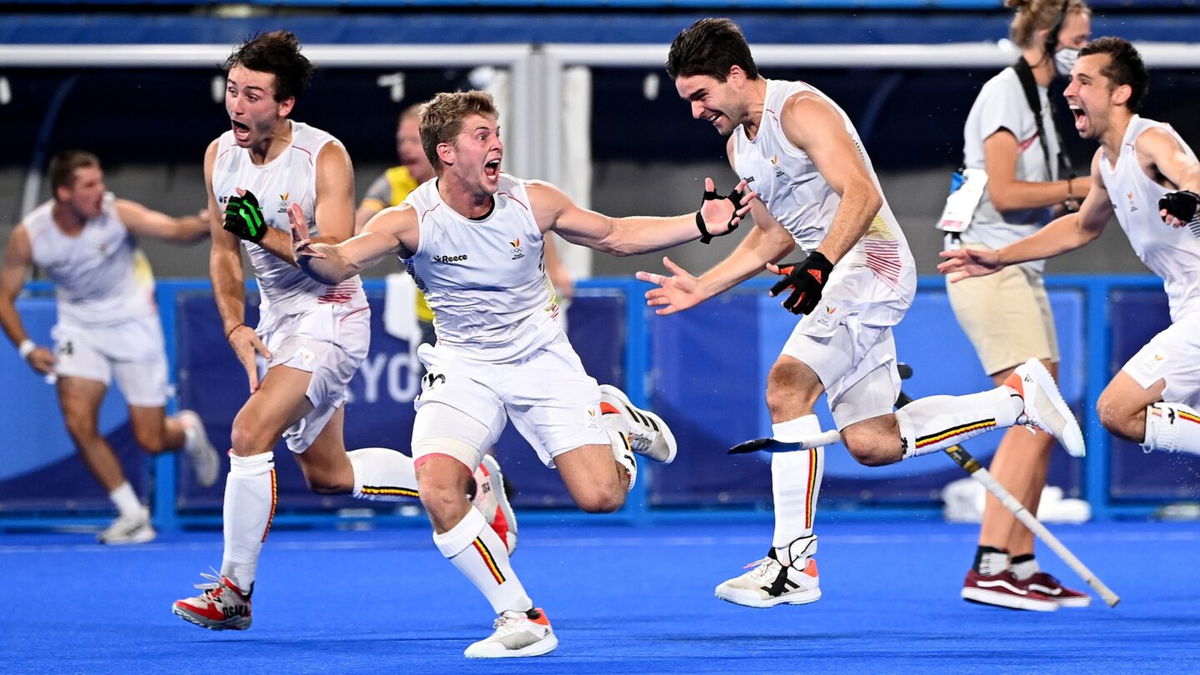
<point>1188,416</point>
<point>809,505</point>
<point>488,560</point>
<point>274,502</point>
<point>981,425</point>
<point>387,491</point>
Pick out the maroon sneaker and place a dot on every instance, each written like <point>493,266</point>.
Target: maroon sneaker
<point>1048,586</point>
<point>1003,590</point>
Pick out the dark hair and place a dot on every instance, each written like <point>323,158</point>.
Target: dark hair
<point>442,119</point>
<point>1124,67</point>
<point>278,53</point>
<point>63,165</point>
<point>710,47</point>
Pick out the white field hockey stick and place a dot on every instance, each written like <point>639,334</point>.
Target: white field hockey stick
<point>980,474</point>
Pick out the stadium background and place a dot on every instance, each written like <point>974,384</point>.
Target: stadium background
<point>68,83</point>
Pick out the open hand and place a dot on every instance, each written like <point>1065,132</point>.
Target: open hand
<point>675,293</point>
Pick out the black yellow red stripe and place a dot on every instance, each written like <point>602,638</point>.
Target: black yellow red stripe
<point>1191,417</point>
<point>274,501</point>
<point>981,425</point>
<point>385,491</point>
<point>813,485</point>
<point>488,560</point>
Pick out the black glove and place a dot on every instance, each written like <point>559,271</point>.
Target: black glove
<point>1182,204</point>
<point>806,278</point>
<point>709,195</point>
<point>244,218</point>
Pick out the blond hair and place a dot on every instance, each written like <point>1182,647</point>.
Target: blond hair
<point>1035,15</point>
<point>442,119</point>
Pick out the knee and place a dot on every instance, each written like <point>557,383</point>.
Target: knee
<point>438,494</point>
<point>1114,419</point>
<point>602,500</point>
<point>244,439</point>
<point>870,456</point>
<point>324,484</point>
<point>151,440</point>
<point>791,388</point>
<point>871,449</point>
<point>82,430</point>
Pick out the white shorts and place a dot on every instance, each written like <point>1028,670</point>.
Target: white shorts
<point>847,341</point>
<point>330,342</point>
<point>551,401</point>
<point>1171,355</point>
<point>131,351</point>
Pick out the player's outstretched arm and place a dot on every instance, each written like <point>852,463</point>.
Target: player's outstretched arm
<point>18,259</point>
<point>1063,234</point>
<point>814,126</point>
<point>633,235</point>
<point>391,231</point>
<point>143,221</point>
<point>1163,154</point>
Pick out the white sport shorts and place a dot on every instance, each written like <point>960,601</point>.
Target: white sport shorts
<point>847,341</point>
<point>330,341</point>
<point>1171,355</point>
<point>551,401</point>
<point>132,351</point>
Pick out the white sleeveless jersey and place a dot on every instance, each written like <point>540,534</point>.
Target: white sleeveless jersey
<point>93,272</point>
<point>484,279</point>
<point>802,201</point>
<point>1173,254</point>
<point>290,177</point>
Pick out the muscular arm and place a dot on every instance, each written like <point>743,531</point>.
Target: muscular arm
<point>143,221</point>
<point>225,257</point>
<point>1069,232</point>
<point>18,259</point>
<point>1161,156</point>
<point>1000,152</point>
<point>393,230</point>
<point>814,126</point>
<point>767,242</point>
<point>554,210</point>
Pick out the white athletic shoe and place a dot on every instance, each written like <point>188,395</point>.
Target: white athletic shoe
<point>1045,407</point>
<point>131,529</point>
<point>205,460</point>
<point>770,583</point>
<point>649,435</point>
<point>517,634</point>
<point>492,502</point>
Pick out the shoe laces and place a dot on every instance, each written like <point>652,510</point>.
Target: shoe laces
<point>214,587</point>
<point>763,569</point>
<point>509,622</point>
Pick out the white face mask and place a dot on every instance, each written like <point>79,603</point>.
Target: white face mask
<point>1064,60</point>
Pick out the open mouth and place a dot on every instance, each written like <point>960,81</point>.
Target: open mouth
<point>240,131</point>
<point>492,168</point>
<point>1080,117</point>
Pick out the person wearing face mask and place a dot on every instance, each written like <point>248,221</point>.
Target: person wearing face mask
<point>1015,178</point>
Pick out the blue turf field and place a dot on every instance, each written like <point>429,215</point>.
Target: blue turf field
<point>622,599</point>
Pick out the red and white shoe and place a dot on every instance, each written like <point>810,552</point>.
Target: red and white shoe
<point>1045,408</point>
<point>222,605</point>
<point>492,501</point>
<point>516,634</point>
<point>1003,590</point>
<point>1050,587</point>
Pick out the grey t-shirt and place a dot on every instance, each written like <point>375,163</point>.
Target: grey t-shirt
<point>1001,104</point>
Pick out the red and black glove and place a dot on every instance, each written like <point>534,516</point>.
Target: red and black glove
<point>806,278</point>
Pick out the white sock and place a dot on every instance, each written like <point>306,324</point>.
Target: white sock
<point>250,494</point>
<point>477,552</point>
<point>617,428</point>
<point>1024,566</point>
<point>125,499</point>
<point>1173,427</point>
<point>383,475</point>
<point>795,480</point>
<point>935,422</point>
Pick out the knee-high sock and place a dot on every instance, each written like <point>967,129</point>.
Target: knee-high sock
<point>617,427</point>
<point>479,554</point>
<point>1173,427</point>
<point>250,494</point>
<point>795,481</point>
<point>935,422</point>
<point>383,475</point>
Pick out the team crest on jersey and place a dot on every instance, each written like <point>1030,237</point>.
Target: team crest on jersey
<point>775,165</point>
<point>1132,207</point>
<point>517,253</point>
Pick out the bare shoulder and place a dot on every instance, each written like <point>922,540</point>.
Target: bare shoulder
<point>808,116</point>
<point>1155,142</point>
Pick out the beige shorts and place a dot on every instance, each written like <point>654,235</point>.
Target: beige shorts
<point>1006,316</point>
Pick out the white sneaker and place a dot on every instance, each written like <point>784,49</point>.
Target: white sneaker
<point>517,634</point>
<point>1045,407</point>
<point>492,501</point>
<point>649,435</point>
<point>205,460</point>
<point>770,583</point>
<point>131,529</point>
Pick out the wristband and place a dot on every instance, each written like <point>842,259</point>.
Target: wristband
<point>26,348</point>
<point>1070,192</point>
<point>231,331</point>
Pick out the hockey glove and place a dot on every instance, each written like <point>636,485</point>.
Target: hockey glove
<point>709,195</point>
<point>244,218</point>
<point>806,278</point>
